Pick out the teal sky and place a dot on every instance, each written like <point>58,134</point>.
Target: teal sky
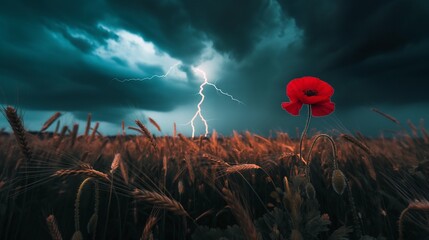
<point>115,60</point>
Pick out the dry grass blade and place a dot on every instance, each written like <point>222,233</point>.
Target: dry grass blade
<point>53,228</point>
<point>155,124</point>
<point>51,120</point>
<point>241,215</point>
<point>386,116</point>
<point>241,168</point>
<point>161,201</point>
<point>19,131</point>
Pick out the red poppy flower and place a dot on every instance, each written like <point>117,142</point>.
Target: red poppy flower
<point>312,91</point>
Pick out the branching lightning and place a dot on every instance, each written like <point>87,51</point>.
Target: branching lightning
<point>198,112</point>
<point>149,78</point>
<point>200,92</point>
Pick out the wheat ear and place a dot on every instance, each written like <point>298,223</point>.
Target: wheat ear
<point>386,116</point>
<point>92,224</point>
<point>19,131</point>
<point>241,215</point>
<point>147,133</point>
<point>415,205</point>
<point>161,201</point>
<point>53,228</point>
<point>88,172</point>
<point>241,168</point>
<point>88,125</point>
<point>147,231</point>
<point>51,120</point>
<point>155,124</point>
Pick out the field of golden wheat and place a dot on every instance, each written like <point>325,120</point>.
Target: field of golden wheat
<point>62,185</point>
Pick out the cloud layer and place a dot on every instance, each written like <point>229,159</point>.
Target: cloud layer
<point>67,56</point>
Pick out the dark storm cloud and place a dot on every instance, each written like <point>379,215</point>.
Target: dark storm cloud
<point>45,55</point>
<point>235,27</point>
<point>373,51</point>
<point>183,28</point>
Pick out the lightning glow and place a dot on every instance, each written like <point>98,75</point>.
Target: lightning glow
<point>198,113</point>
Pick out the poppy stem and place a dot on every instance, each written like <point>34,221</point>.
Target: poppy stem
<point>334,153</point>
<point>304,133</point>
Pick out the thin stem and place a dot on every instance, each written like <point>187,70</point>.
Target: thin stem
<point>334,152</point>
<point>304,133</point>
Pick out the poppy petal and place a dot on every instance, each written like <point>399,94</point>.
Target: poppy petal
<point>296,89</point>
<point>322,109</point>
<point>324,89</point>
<point>292,107</point>
<point>293,91</point>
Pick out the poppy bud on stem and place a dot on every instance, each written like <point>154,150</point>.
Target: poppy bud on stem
<point>334,153</point>
<point>303,134</point>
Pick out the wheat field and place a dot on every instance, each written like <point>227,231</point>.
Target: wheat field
<point>141,185</point>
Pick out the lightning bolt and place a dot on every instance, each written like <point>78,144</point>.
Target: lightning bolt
<point>198,112</point>
<point>148,78</point>
<point>200,92</point>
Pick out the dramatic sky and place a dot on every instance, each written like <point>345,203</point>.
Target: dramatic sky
<point>81,57</point>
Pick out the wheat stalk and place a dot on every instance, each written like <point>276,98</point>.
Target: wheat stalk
<point>88,125</point>
<point>386,116</point>
<point>89,172</point>
<point>57,127</point>
<point>415,205</point>
<point>190,144</point>
<point>190,169</point>
<point>155,124</point>
<point>19,131</point>
<point>241,168</point>
<point>147,231</point>
<point>174,130</point>
<point>241,215</point>
<point>61,137</point>
<point>74,134</point>
<point>146,133</point>
<point>161,201</point>
<point>94,131</point>
<point>53,228</point>
<point>356,142</point>
<point>215,160</point>
<point>115,163</point>
<point>51,120</point>
<point>266,141</point>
